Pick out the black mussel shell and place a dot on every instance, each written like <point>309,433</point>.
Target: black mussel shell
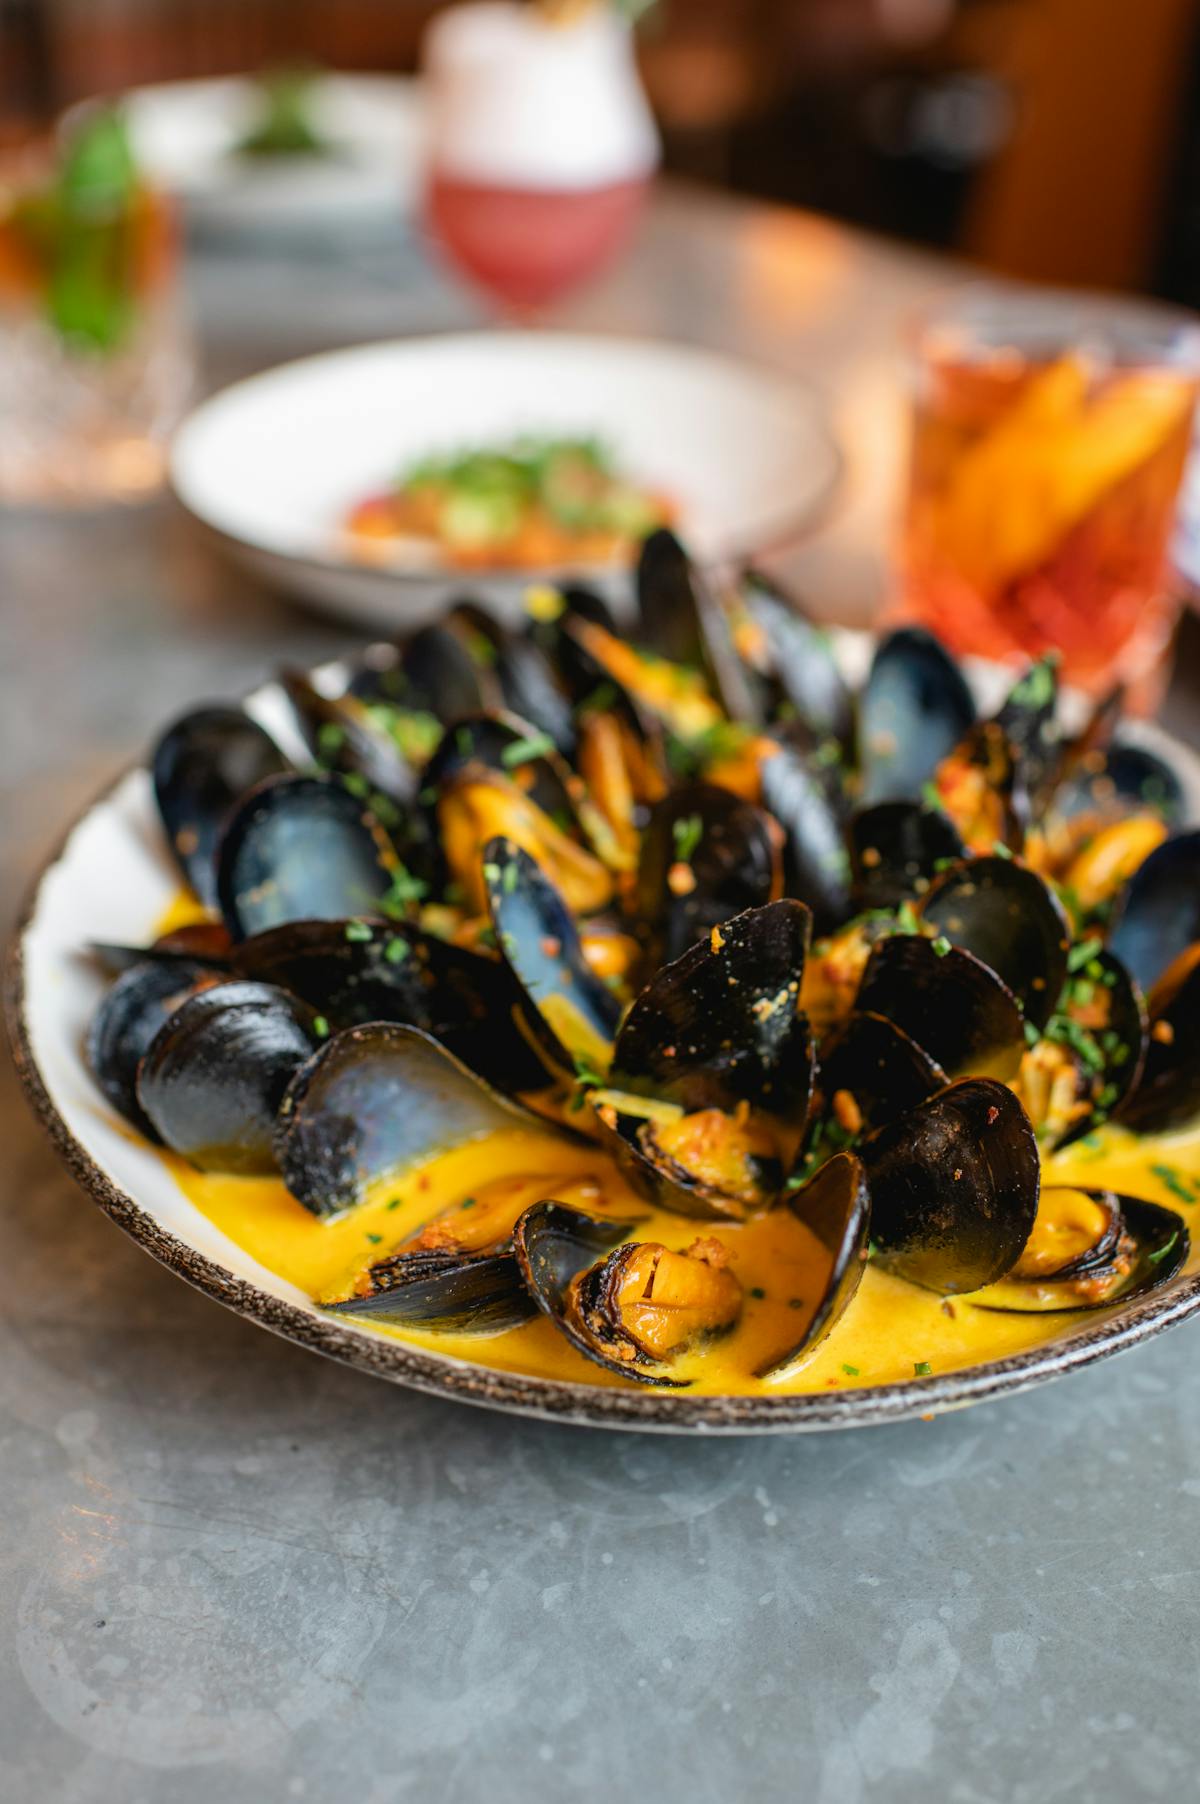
<point>1121,1044</point>
<point>718,1028</point>
<point>442,678</point>
<point>206,942</point>
<point>570,1012</point>
<point>301,849</point>
<point>553,1245</point>
<point>215,1074</point>
<point>1011,919</point>
<point>732,857</point>
<point>954,1187</point>
<point>377,1101</point>
<point>126,1022</point>
<point>1004,809</point>
<point>1028,719</point>
<point>1166,1092</point>
<point>1160,1246</point>
<point>1156,917</point>
<point>352,972</point>
<point>816,867</point>
<point>683,621</point>
<point>800,663</point>
<point>528,685</point>
<point>344,739</point>
<point>721,1025</point>
<point>880,1066</point>
<point>1125,779</point>
<point>835,1207</point>
<point>948,1001</point>
<point>452,1293</point>
<point>914,710</point>
<point>502,743</point>
<point>203,765</point>
<point>896,849</point>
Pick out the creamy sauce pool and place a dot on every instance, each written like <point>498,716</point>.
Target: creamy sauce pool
<point>889,1330</point>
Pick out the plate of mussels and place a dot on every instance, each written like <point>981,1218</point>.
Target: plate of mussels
<point>707,1025</point>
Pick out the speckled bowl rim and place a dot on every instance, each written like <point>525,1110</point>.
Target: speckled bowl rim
<point>549,1399</point>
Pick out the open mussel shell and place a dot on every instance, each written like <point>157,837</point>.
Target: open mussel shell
<point>732,864</point>
<point>896,849</point>
<point>1011,919</point>
<point>913,711</point>
<point>212,1079</point>
<point>205,942</point>
<point>1121,1042</point>
<point>1028,719</point>
<point>450,1293</point>
<point>722,1025</point>
<point>572,1015</point>
<point>379,1101</point>
<point>442,678</point>
<point>501,743</point>
<point>1156,917</point>
<point>343,738</point>
<point>719,1029</point>
<point>879,1066</point>
<point>553,1244</point>
<point>948,1001</point>
<point>954,1187</point>
<point>126,1023</point>
<point>1125,779</point>
<point>202,766</point>
<point>799,663</point>
<point>683,621</point>
<point>352,972</point>
<point>1166,1091</point>
<point>835,1207</point>
<point>1141,1248</point>
<point>816,867</point>
<point>301,849</point>
<point>528,685</point>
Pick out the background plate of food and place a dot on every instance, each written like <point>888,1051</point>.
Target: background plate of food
<point>371,480</point>
<point>287,150</point>
<point>825,1085</point>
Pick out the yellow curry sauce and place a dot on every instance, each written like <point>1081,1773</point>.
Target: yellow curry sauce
<point>890,1329</point>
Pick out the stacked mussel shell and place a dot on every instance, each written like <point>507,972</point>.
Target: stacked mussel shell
<point>667,884</point>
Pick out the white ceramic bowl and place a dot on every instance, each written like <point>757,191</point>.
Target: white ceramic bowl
<point>185,136</point>
<point>112,880</point>
<point>274,463</point>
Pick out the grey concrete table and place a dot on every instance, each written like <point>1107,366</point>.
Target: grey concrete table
<point>231,1571</point>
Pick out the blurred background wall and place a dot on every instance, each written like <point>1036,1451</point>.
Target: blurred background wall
<point>1058,139</point>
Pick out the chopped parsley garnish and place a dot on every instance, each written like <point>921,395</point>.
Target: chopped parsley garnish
<point>1000,850</point>
<point>396,951</point>
<point>375,1239</point>
<point>906,919</point>
<point>922,1368</point>
<point>395,1202</point>
<point>941,945</point>
<point>523,751</point>
<point>757,1291</point>
<point>1066,1032</point>
<point>508,881</point>
<point>688,832</point>
<point>1083,953</point>
<point>1161,1252</point>
<point>357,932</point>
<point>491,873</point>
<point>1032,1036</point>
<point>1174,1181</point>
<point>851,1371</point>
<point>404,891</point>
<point>320,1027</point>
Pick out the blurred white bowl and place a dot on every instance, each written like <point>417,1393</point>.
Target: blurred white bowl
<point>274,463</point>
<point>185,135</point>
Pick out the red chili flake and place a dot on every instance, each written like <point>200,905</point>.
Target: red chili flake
<point>550,946</point>
<point>993,1115</point>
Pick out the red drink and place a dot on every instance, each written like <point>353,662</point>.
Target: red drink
<point>527,246</point>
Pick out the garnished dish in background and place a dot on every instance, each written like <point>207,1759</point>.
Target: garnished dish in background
<point>537,503</point>
<point>646,1007</point>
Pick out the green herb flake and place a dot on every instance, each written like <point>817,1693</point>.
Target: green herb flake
<point>523,751</point>
<point>1032,1036</point>
<point>941,945</point>
<point>1083,953</point>
<point>688,832</point>
<point>357,932</point>
<point>1000,850</point>
<point>508,882</point>
<point>491,873</point>
<point>396,951</point>
<point>468,1202</point>
<point>922,1368</point>
<point>320,1027</point>
<point>906,919</point>
<point>851,1371</point>
<point>395,1202</point>
<point>757,1292</point>
<point>1161,1252</point>
<point>1174,1181</point>
<point>375,1239</point>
